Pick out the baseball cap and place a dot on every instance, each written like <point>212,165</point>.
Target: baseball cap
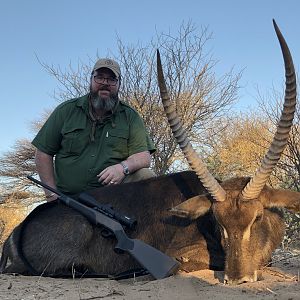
<point>109,64</point>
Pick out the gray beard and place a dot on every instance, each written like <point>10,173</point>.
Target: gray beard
<point>104,105</point>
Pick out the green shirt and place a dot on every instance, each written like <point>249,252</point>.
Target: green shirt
<point>67,135</point>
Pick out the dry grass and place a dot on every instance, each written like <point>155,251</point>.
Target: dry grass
<point>11,215</point>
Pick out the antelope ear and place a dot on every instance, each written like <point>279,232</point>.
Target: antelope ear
<point>192,208</point>
<point>282,198</point>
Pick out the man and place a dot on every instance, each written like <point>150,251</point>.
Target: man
<point>95,140</point>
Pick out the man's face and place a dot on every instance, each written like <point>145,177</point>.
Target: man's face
<point>104,89</point>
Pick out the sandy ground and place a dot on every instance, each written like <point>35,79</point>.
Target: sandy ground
<point>281,281</point>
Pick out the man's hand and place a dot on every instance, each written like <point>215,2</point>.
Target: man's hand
<point>111,175</point>
<point>114,174</point>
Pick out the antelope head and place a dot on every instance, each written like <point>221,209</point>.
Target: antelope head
<point>241,206</point>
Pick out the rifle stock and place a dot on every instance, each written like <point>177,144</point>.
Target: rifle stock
<point>158,264</point>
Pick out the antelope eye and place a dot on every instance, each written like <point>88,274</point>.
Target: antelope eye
<point>258,218</point>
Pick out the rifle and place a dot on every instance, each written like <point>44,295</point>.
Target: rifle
<point>158,264</point>
<point>108,210</point>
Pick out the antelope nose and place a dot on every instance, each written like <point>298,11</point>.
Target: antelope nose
<point>236,281</point>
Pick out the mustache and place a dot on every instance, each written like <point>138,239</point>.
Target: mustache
<point>94,94</point>
<point>104,88</point>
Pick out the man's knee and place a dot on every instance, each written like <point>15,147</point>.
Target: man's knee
<point>141,174</point>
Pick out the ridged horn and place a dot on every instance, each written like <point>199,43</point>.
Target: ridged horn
<point>256,184</point>
<point>195,162</point>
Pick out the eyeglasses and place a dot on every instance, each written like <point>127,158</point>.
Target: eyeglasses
<point>105,80</point>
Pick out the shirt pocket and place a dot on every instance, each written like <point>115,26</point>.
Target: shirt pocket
<point>74,140</point>
<point>117,142</point>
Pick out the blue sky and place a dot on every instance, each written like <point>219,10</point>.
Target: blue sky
<point>64,31</point>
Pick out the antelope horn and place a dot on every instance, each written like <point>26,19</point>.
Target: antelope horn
<point>208,181</point>
<point>256,184</point>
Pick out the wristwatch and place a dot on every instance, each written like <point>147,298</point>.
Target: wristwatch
<point>125,168</point>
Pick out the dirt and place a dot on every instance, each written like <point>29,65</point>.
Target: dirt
<point>281,281</point>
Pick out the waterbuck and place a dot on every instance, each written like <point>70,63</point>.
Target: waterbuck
<point>242,207</point>
<point>231,225</point>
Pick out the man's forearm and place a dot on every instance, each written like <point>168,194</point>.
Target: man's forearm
<point>45,169</point>
<point>114,174</point>
<point>138,161</point>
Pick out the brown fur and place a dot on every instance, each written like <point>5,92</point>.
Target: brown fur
<point>57,239</point>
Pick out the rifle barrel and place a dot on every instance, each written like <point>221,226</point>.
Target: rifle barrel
<point>44,185</point>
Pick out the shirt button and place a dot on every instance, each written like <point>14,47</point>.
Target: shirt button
<point>93,155</point>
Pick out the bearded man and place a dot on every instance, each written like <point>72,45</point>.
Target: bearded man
<point>94,140</point>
